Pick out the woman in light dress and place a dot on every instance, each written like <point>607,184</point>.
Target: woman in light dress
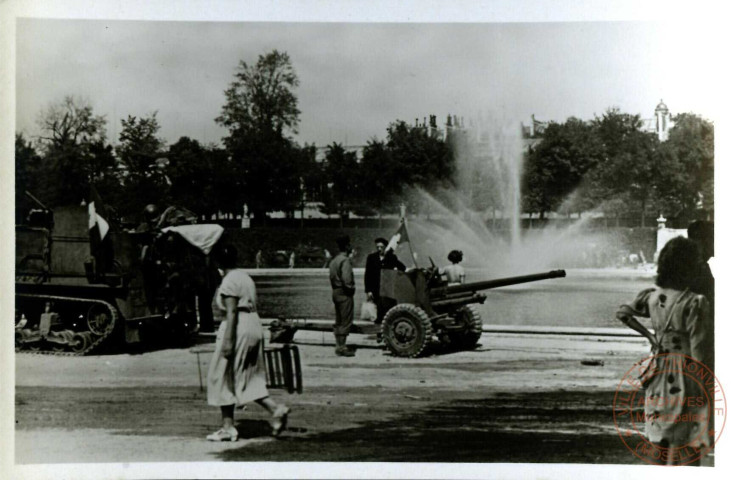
<point>237,372</point>
<point>682,326</point>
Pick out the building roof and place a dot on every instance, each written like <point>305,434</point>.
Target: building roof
<point>661,107</point>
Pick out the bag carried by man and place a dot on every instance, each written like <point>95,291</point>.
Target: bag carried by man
<point>368,311</point>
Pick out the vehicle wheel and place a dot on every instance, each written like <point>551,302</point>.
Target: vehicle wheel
<point>407,330</point>
<point>467,339</point>
<point>64,339</point>
<point>19,341</point>
<point>99,318</point>
<point>80,342</point>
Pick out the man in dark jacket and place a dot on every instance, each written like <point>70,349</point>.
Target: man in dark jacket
<point>702,232</point>
<point>375,262</point>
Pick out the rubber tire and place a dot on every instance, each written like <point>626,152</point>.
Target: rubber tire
<point>410,317</point>
<point>469,337</point>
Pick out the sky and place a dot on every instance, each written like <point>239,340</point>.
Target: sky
<point>357,78</point>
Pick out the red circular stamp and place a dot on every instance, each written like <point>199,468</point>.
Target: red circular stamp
<point>669,409</point>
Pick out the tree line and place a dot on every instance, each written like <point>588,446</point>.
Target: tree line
<point>612,165</point>
<point>608,163</point>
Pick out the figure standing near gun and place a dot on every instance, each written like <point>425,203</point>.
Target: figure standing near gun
<point>382,258</point>
<point>343,289</point>
<point>454,273</point>
<point>682,326</point>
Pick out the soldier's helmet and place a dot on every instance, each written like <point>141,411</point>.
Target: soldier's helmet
<point>151,212</point>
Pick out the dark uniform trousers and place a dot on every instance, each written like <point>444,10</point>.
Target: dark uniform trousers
<point>343,311</point>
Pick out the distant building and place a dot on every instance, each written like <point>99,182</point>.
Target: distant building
<point>535,129</point>
<point>660,123</point>
<point>356,149</point>
<point>484,133</point>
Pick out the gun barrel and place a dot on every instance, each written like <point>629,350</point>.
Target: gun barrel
<point>498,282</point>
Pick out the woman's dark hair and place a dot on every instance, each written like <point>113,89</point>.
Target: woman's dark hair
<point>343,242</point>
<point>225,255</point>
<point>455,256</point>
<point>678,264</point>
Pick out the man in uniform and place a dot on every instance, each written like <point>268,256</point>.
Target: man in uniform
<point>343,289</point>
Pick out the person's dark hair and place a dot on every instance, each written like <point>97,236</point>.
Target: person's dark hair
<point>343,242</point>
<point>381,240</point>
<point>455,256</point>
<point>151,212</point>
<point>702,232</point>
<point>678,264</point>
<point>225,256</point>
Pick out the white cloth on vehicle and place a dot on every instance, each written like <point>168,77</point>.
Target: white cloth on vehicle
<point>201,236</point>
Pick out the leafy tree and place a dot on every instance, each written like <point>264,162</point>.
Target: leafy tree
<point>259,113</point>
<point>222,190</point>
<point>377,184</point>
<point>312,174</point>
<point>312,177</point>
<point>343,173</point>
<point>70,123</point>
<point>631,163</point>
<point>202,178</point>
<point>27,173</point>
<point>556,165</point>
<point>261,100</point>
<point>75,153</point>
<point>290,183</point>
<point>416,159</point>
<point>688,165</point>
<point>190,175</point>
<point>139,147</point>
<point>141,153</point>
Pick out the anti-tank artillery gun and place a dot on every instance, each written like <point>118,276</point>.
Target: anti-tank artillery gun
<point>418,304</point>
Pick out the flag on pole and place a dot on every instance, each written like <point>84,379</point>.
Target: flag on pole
<point>97,225</point>
<point>399,237</point>
<point>101,244</point>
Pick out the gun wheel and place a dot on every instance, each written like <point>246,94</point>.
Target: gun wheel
<point>407,330</point>
<point>468,317</point>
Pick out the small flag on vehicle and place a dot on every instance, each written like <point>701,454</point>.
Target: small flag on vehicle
<point>399,237</point>
<point>97,225</point>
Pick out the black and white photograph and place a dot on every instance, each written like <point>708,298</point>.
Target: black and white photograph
<point>323,239</point>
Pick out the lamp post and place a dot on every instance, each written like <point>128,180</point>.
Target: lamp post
<point>245,216</point>
<point>661,221</point>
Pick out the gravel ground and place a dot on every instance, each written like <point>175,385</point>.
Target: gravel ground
<point>516,398</point>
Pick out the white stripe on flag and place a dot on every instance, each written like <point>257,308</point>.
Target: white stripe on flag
<point>102,226</point>
<point>91,215</point>
<point>95,219</point>
<point>394,242</point>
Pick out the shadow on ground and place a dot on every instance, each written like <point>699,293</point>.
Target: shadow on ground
<point>354,424</point>
<point>571,427</point>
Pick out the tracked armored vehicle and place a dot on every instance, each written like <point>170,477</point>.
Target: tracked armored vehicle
<point>77,294</point>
